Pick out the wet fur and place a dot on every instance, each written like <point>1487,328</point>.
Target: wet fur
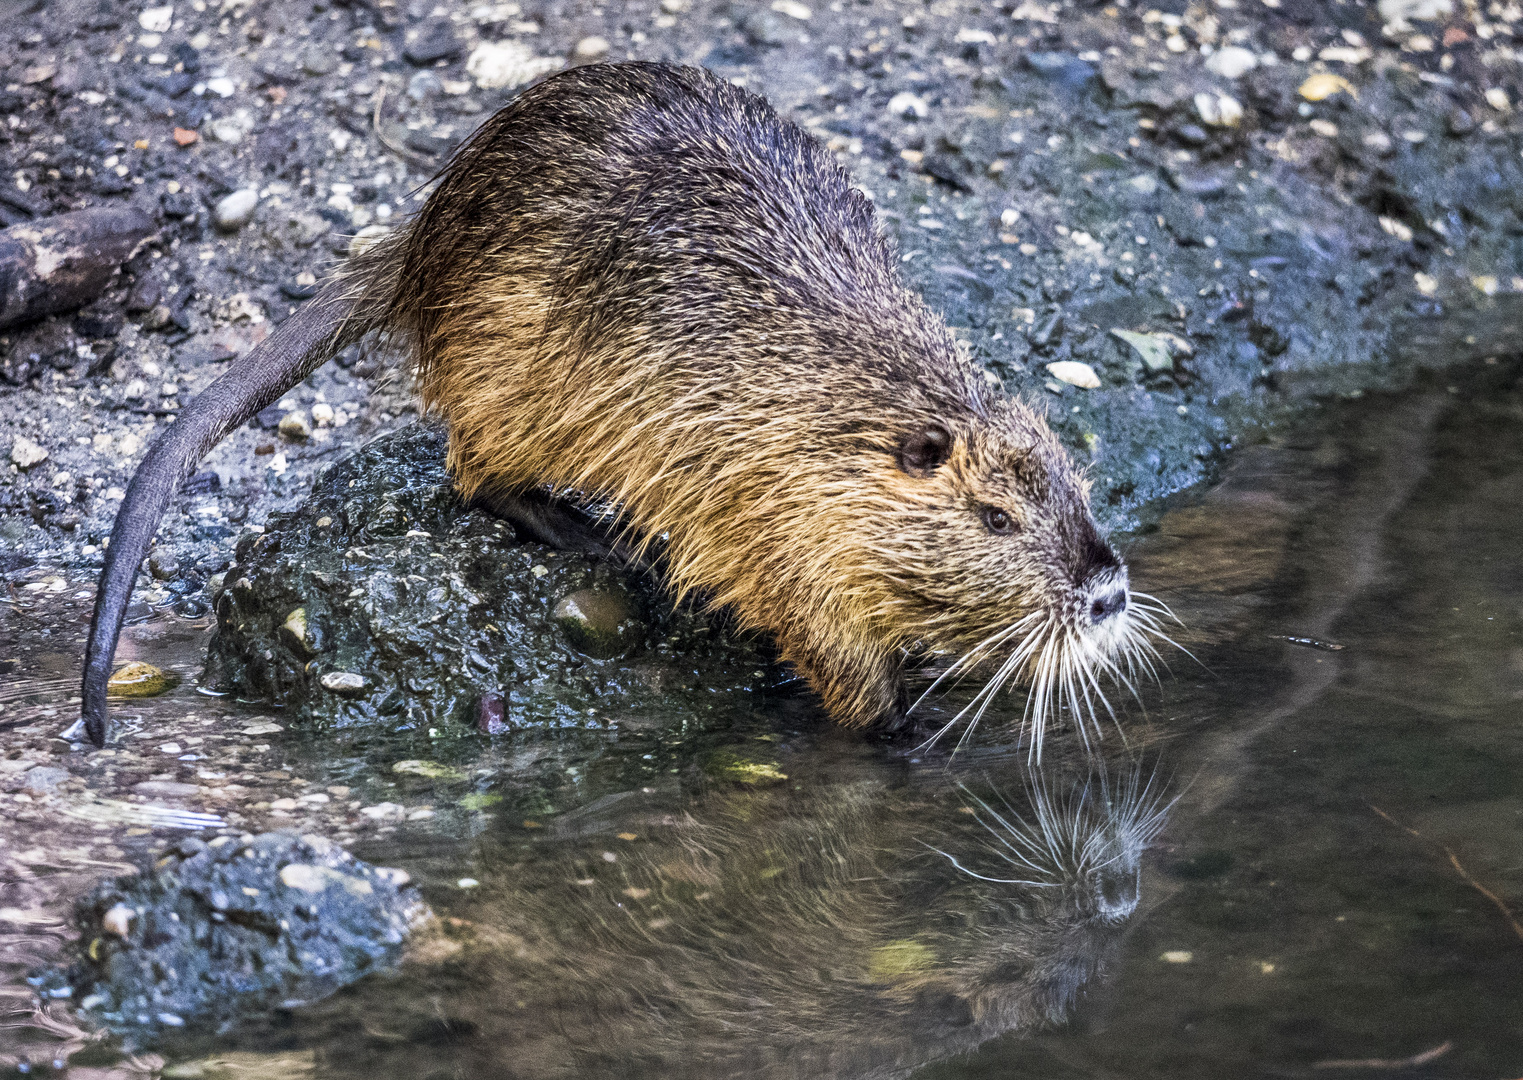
<point>637,283</point>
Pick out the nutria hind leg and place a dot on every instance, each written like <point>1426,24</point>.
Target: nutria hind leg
<point>541,518</point>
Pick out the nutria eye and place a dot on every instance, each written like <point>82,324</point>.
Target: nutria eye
<point>922,452</point>
<point>999,522</point>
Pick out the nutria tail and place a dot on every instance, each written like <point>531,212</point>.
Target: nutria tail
<point>331,321</point>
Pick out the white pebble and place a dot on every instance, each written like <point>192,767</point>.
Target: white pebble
<point>1074,373</point>
<point>591,48</point>
<point>234,211</point>
<point>905,103</point>
<point>221,86</point>
<point>156,20</point>
<point>25,453</point>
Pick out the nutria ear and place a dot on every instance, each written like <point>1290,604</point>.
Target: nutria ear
<point>921,452</point>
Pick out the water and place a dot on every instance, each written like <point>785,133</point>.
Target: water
<point>1336,891</point>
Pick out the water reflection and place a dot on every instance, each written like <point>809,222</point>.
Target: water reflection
<point>857,926</point>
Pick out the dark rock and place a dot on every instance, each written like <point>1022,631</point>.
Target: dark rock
<point>215,934</point>
<point>1061,68</point>
<point>428,143</point>
<point>438,604</point>
<point>59,263</point>
<point>146,292</point>
<point>1460,122</point>
<point>99,321</point>
<point>434,40</point>
<point>1048,332</point>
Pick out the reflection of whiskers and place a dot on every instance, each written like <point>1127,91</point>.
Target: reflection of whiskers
<point>1063,664</point>
<point>1075,838</point>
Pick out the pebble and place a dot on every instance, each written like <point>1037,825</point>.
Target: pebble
<point>596,622</point>
<point>907,104</point>
<point>261,727</point>
<point>165,789</point>
<point>1074,373</point>
<point>234,211</point>
<point>592,48</point>
<point>26,454</point>
<point>295,425</point>
<point>366,238</point>
<point>138,679</point>
<point>318,61</point>
<point>43,779</point>
<point>322,414</point>
<point>343,682</point>
<point>118,920</point>
<point>434,40</point>
<point>793,9</point>
<point>156,20</point>
<point>1321,86</point>
<point>1218,110</point>
<point>503,65</point>
<point>222,86</point>
<point>1232,62</point>
<point>163,565</point>
<point>1154,349</point>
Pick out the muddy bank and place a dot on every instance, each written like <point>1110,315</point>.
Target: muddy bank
<point>1264,198</point>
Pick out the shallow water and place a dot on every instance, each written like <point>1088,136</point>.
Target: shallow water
<point>1337,889</point>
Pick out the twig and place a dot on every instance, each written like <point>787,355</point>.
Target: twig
<point>1501,905</point>
<point>1389,1063</point>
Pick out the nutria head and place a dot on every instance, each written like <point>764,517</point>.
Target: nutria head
<point>998,559</point>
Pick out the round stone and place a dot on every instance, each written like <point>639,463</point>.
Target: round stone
<point>234,211</point>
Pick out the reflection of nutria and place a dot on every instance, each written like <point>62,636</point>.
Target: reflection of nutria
<point>636,282</point>
<point>822,930</point>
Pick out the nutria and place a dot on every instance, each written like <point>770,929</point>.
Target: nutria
<point>636,282</point>
<point>845,926</point>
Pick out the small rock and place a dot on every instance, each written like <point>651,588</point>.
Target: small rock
<point>424,85</point>
<point>430,769</point>
<point>138,679</point>
<point>163,565</point>
<point>165,789</point>
<point>591,48</point>
<point>261,727</point>
<point>118,920</point>
<point>26,454</point>
<point>502,65</point>
<point>1232,62</point>
<point>322,414</point>
<point>156,20</point>
<point>1218,110</point>
<point>222,86</point>
<point>1325,128</point>
<point>434,40</point>
<point>348,683</point>
<point>234,211</point>
<point>186,136</point>
<point>1321,86</point>
<point>1154,349</point>
<point>1074,373</point>
<point>318,61</point>
<point>907,104</point>
<point>382,811</point>
<point>43,780</point>
<point>38,73</point>
<point>1460,122</point>
<point>491,714</point>
<point>366,238</point>
<point>295,425</point>
<point>793,9</point>
<point>596,622</point>
<point>228,129</point>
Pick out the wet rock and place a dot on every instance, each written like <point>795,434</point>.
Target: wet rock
<point>348,683</point>
<point>439,606</point>
<point>502,65</point>
<point>163,565</point>
<point>59,263</point>
<point>138,679</point>
<point>599,623</point>
<point>234,211</point>
<point>217,933</point>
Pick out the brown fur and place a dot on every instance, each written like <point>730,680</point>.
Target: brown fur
<point>636,282</point>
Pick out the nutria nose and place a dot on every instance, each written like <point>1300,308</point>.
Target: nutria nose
<point>1106,606</point>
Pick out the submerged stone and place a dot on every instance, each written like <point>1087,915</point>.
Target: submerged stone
<point>386,599</point>
<point>216,933</point>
